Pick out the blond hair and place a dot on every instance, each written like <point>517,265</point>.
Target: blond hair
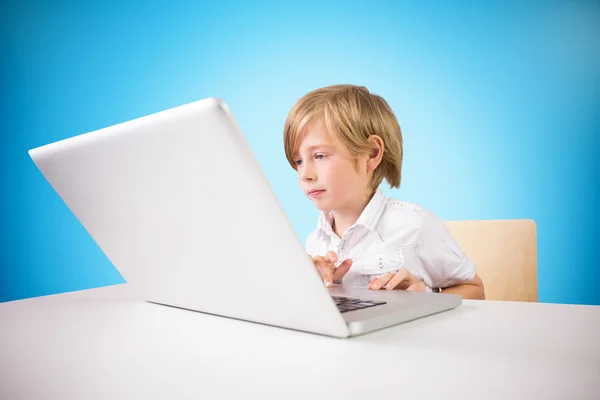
<point>352,114</point>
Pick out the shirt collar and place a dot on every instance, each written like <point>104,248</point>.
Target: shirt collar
<point>368,218</point>
<point>325,222</point>
<point>372,212</point>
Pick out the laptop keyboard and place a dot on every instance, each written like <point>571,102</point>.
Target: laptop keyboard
<point>345,304</point>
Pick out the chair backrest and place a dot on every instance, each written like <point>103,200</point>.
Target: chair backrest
<point>505,255</point>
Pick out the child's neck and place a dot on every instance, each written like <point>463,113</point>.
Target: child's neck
<point>344,219</point>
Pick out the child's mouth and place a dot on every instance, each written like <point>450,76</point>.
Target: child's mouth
<point>315,193</point>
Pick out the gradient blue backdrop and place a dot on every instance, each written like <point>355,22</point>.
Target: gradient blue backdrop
<point>498,102</point>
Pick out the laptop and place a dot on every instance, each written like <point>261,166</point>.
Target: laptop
<point>181,207</point>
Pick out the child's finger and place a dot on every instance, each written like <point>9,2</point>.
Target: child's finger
<point>318,262</point>
<point>343,268</point>
<point>401,276</point>
<point>373,280</point>
<point>331,256</point>
<point>326,270</point>
<point>379,282</point>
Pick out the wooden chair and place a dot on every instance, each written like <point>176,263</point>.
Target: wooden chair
<point>505,255</point>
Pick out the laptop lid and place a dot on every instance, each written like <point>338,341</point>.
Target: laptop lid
<point>181,207</point>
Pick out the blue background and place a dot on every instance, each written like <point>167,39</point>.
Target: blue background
<point>498,102</point>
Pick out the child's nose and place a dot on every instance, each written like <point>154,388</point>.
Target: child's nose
<point>307,178</point>
<point>308,174</point>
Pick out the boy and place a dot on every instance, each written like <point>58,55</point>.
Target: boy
<point>343,141</point>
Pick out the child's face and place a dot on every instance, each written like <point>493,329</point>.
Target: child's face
<point>327,173</point>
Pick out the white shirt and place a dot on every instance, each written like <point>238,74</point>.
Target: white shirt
<point>390,235</point>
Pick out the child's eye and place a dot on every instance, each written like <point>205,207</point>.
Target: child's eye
<point>320,156</point>
<point>298,162</point>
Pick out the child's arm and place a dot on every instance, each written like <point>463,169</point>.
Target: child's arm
<point>472,289</point>
<point>404,280</point>
<point>442,264</point>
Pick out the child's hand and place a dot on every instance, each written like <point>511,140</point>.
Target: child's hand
<point>326,267</point>
<point>401,279</point>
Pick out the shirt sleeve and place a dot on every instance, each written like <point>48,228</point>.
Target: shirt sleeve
<point>443,263</point>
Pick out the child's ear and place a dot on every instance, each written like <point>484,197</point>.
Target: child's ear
<point>376,153</point>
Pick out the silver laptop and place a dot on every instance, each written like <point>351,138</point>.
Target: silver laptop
<point>181,207</point>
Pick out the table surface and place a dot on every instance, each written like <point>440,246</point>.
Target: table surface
<point>106,344</point>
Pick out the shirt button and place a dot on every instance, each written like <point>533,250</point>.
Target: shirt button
<point>380,263</point>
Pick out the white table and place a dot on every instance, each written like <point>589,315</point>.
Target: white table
<point>106,344</point>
